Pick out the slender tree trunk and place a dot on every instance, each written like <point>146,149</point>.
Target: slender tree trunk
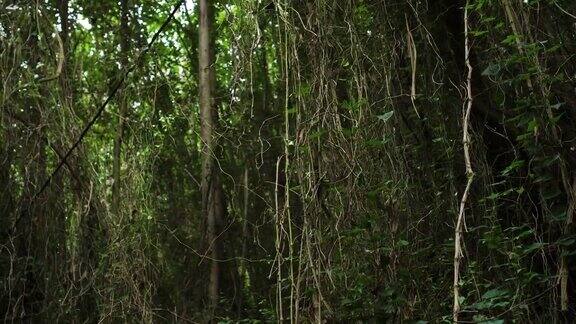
<point>122,110</point>
<point>212,208</point>
<point>244,275</point>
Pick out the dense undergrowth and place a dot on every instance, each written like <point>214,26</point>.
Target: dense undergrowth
<point>337,147</point>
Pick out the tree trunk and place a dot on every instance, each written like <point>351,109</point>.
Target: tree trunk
<point>212,209</point>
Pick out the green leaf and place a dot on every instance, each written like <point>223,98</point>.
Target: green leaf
<point>566,241</point>
<point>491,70</point>
<point>558,216</point>
<point>513,166</point>
<point>533,247</point>
<point>510,39</point>
<point>386,116</point>
<point>493,293</point>
<point>551,193</point>
<point>478,33</point>
<point>403,243</point>
<point>568,253</point>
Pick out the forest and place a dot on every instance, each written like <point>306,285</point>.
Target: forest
<point>294,161</point>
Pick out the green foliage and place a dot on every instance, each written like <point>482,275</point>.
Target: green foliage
<point>340,190</point>
<point>384,117</point>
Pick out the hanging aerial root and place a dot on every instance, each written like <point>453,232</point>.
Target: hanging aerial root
<point>458,233</point>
